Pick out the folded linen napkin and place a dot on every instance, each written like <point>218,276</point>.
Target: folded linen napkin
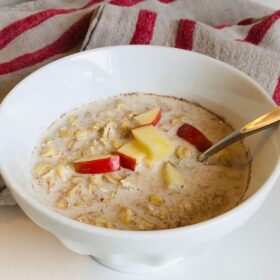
<point>243,34</point>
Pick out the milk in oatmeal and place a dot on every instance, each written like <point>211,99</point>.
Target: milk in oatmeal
<point>144,198</point>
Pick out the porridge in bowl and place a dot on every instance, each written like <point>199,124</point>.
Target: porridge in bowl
<point>130,162</point>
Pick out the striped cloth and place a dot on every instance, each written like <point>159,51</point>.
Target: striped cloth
<point>243,34</point>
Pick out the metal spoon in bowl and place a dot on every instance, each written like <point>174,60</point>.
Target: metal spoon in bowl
<point>263,122</point>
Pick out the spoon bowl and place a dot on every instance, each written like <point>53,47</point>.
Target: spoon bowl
<point>265,121</point>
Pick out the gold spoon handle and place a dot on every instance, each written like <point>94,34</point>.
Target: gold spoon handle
<point>263,122</point>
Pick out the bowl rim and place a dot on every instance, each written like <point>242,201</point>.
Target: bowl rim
<point>44,210</point>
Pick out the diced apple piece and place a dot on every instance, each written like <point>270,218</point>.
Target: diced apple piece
<point>96,165</point>
<point>194,137</point>
<point>150,117</point>
<point>152,142</point>
<point>150,162</point>
<point>172,176</point>
<point>130,155</point>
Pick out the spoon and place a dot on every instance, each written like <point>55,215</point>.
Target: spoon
<point>263,122</point>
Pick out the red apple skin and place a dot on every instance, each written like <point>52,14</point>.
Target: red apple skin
<point>157,119</point>
<point>97,166</point>
<point>194,137</point>
<point>127,162</point>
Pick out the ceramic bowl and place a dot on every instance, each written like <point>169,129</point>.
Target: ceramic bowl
<point>73,81</point>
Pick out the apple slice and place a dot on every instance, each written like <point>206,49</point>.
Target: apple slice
<point>150,117</point>
<point>130,155</point>
<point>152,142</point>
<point>194,137</point>
<point>96,165</point>
<point>172,176</point>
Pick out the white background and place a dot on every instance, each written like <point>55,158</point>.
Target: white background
<point>252,252</point>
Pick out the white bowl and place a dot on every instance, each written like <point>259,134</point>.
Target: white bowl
<point>81,78</point>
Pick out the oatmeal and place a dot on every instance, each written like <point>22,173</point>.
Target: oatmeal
<point>130,162</point>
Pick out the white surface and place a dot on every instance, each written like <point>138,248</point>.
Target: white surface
<point>253,252</point>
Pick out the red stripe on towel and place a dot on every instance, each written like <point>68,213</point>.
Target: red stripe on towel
<point>276,95</point>
<point>166,1</point>
<point>10,32</point>
<point>184,37</point>
<point>67,41</point>
<point>222,26</point>
<point>144,29</point>
<point>125,3</point>
<point>246,21</point>
<point>258,31</point>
